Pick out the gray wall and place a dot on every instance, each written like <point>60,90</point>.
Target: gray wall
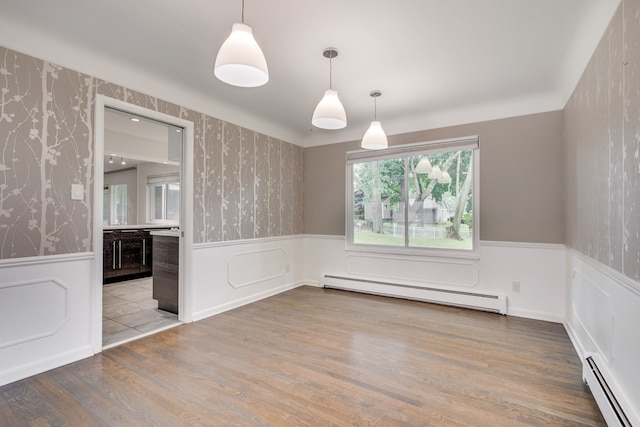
<point>521,178</point>
<point>246,185</point>
<point>602,142</point>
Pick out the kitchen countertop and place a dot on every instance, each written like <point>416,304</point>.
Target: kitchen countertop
<point>136,227</point>
<point>167,233</point>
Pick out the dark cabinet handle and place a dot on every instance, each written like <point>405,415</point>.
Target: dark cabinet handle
<point>113,256</point>
<point>119,253</point>
<point>144,251</point>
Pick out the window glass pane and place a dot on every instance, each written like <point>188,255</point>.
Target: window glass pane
<point>119,204</point>
<point>173,202</point>
<point>440,200</point>
<point>106,206</point>
<point>156,202</point>
<point>378,208</point>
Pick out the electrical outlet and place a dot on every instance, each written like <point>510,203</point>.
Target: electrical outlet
<point>287,268</point>
<point>515,286</point>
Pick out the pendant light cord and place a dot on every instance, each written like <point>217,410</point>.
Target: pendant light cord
<point>331,73</point>
<point>375,108</point>
<point>243,11</point>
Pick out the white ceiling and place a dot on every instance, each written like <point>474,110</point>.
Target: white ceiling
<point>118,123</point>
<point>437,62</point>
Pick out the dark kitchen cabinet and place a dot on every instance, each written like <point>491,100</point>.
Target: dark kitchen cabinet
<point>147,253</point>
<point>127,254</point>
<point>166,268</point>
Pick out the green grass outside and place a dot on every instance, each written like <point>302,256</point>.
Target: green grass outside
<point>370,238</point>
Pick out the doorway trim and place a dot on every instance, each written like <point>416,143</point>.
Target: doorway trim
<point>185,287</point>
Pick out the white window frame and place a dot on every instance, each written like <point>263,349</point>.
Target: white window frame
<point>161,180</point>
<point>112,205</point>
<point>406,150</point>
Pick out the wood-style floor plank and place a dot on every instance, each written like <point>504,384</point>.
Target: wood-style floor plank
<point>315,357</point>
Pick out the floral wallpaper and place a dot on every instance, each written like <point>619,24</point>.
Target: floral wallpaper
<point>602,143</point>
<point>246,185</point>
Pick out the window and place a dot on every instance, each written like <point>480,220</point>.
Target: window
<point>414,198</point>
<point>164,198</point>
<point>114,202</point>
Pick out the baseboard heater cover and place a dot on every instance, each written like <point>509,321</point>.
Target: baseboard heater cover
<point>485,302</point>
<point>611,410</point>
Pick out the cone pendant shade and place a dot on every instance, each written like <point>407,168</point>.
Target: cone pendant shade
<point>329,113</point>
<point>435,173</point>
<point>375,138</point>
<point>240,61</point>
<point>423,166</point>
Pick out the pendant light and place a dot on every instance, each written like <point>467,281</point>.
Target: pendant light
<point>240,61</point>
<point>329,114</point>
<point>375,138</point>
<point>423,166</point>
<point>435,173</point>
<point>445,178</point>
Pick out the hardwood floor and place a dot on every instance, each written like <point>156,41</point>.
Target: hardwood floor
<point>314,357</point>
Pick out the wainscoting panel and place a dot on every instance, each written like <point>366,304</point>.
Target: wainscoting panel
<point>594,312</point>
<point>45,313</point>
<point>231,274</point>
<point>602,320</point>
<point>538,269</point>
<point>252,267</point>
<point>428,271</point>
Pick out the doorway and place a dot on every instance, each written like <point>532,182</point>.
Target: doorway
<point>143,191</point>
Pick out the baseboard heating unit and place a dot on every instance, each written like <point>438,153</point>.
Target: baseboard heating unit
<point>485,302</point>
<point>611,410</point>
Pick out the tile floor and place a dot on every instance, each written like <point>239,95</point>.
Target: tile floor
<point>129,310</point>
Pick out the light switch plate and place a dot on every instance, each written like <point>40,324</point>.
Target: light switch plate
<point>77,191</point>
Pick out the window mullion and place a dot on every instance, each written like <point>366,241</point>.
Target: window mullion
<point>164,201</point>
<point>405,196</point>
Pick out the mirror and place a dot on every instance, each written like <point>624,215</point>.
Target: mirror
<point>141,171</point>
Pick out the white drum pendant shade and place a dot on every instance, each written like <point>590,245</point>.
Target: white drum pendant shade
<point>375,138</point>
<point>240,61</point>
<point>329,114</point>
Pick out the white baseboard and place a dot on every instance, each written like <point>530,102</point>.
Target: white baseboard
<point>535,315</point>
<point>212,311</point>
<point>314,283</point>
<point>42,365</point>
<point>573,336</point>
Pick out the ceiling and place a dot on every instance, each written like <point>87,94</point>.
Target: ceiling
<point>118,123</point>
<point>437,62</point>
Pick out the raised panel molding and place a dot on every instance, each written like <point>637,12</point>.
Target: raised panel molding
<point>594,311</point>
<point>253,267</point>
<point>431,271</point>
<point>42,312</point>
